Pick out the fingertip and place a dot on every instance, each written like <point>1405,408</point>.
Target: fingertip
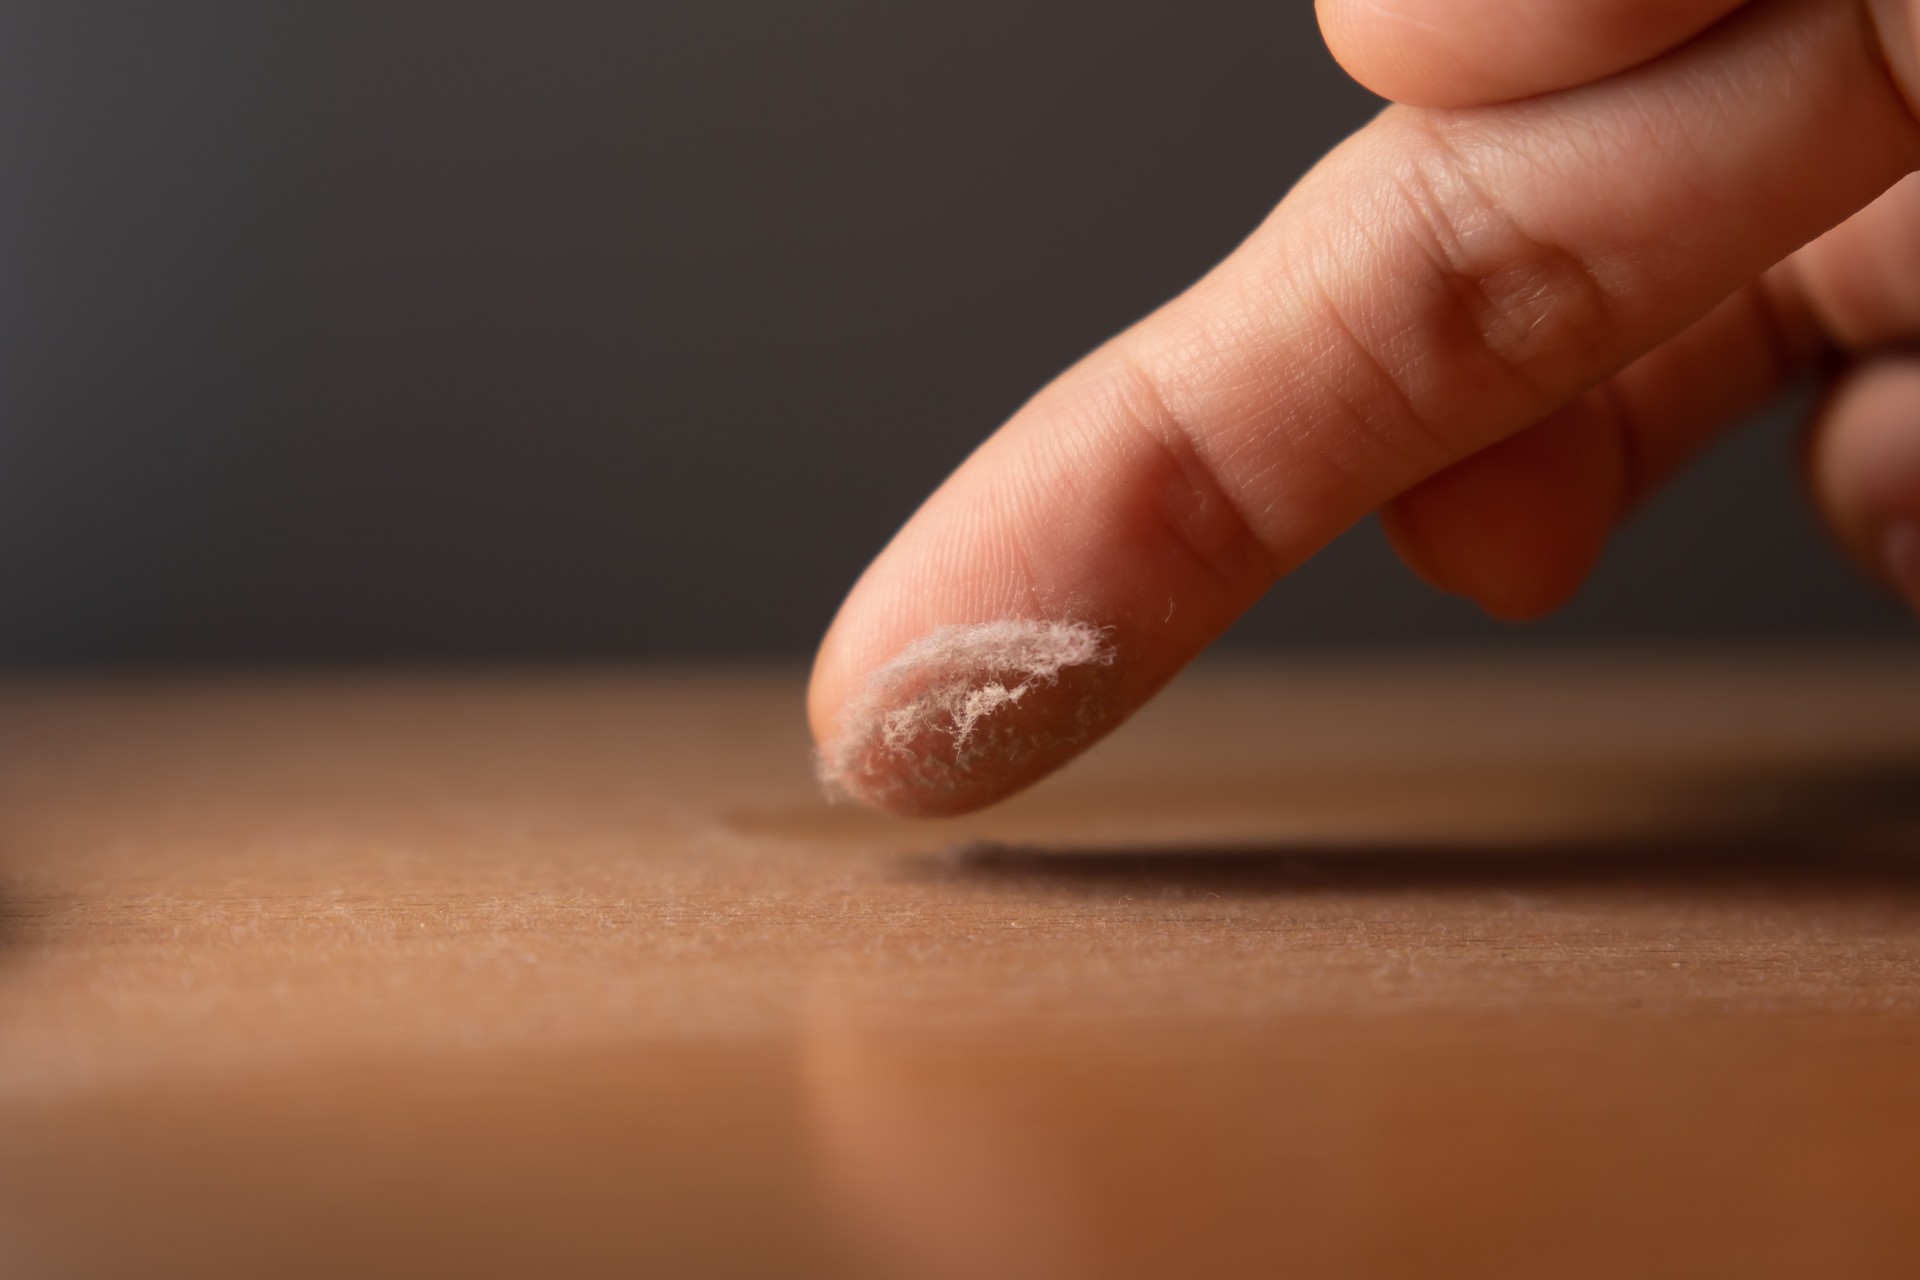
<point>1517,527</point>
<point>1863,468</point>
<point>1393,55</point>
<point>967,714</point>
<point>1506,587</point>
<point>1468,53</point>
<point>1057,580</point>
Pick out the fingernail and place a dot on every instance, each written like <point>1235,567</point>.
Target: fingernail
<point>1901,546</point>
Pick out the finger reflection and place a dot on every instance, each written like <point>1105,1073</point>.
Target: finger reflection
<point>1438,1143</point>
<point>1029,1151</point>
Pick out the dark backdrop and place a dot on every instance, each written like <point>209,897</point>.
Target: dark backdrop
<point>382,329</point>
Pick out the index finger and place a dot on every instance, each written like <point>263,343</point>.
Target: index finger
<point>1438,283</point>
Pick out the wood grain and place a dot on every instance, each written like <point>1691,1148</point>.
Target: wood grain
<point>1569,967</point>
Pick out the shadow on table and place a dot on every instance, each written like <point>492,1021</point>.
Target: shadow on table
<point>19,908</point>
<point>1854,829</point>
<point>1251,871</point>
<point>13,920</point>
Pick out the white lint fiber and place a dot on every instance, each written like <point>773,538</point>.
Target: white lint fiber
<point>952,682</point>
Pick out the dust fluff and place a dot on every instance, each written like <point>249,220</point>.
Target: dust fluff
<point>938,710</point>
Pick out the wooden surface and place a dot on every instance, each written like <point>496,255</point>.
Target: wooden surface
<point>1570,968</point>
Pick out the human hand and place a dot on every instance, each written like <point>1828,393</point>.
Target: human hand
<point>1589,235</point>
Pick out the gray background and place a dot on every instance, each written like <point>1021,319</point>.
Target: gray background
<point>407,330</point>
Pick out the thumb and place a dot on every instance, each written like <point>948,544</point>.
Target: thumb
<point>1438,283</point>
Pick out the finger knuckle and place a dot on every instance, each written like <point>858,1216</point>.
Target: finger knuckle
<point>1502,301</point>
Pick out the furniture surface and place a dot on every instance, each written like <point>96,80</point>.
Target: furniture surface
<point>1570,966</point>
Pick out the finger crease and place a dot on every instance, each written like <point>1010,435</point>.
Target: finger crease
<point>1177,442</point>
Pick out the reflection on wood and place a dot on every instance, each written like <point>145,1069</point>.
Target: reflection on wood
<point>1574,968</point>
